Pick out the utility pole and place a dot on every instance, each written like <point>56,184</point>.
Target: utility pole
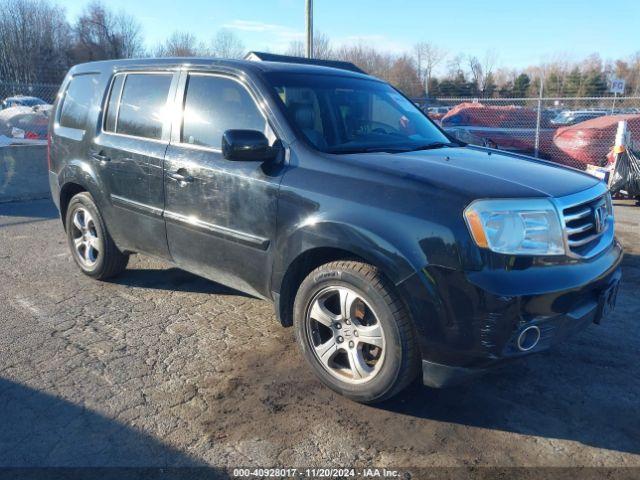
<point>539,117</point>
<point>309,28</point>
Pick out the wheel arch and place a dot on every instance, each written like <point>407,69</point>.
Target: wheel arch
<point>76,177</point>
<point>325,243</point>
<point>67,192</point>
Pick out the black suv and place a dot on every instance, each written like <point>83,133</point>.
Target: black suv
<point>389,246</point>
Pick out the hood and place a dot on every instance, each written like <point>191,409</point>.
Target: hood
<point>480,173</point>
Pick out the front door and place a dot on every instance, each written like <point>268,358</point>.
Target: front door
<point>220,214</point>
<point>130,151</point>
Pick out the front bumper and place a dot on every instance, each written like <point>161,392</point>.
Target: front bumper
<point>470,321</point>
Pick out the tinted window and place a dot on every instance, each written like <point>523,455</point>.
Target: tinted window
<point>143,105</point>
<point>77,101</point>
<point>112,106</point>
<point>215,104</point>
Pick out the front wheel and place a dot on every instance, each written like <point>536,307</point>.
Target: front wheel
<point>355,332</point>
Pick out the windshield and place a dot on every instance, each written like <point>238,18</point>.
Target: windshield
<point>351,115</point>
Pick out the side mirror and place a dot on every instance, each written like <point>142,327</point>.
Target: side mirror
<point>246,145</point>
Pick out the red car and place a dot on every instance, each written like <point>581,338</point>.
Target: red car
<point>589,143</point>
<point>506,127</point>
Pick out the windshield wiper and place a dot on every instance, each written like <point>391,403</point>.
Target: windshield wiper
<point>433,145</point>
<point>394,149</point>
<point>370,150</point>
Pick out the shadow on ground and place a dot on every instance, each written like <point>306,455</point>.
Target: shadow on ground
<point>173,279</point>
<point>42,430</point>
<point>29,212</point>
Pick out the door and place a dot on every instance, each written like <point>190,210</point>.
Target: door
<point>220,214</point>
<point>130,151</point>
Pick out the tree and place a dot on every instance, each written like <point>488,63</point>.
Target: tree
<point>367,58</point>
<point>180,44</point>
<point>521,85</point>
<point>428,56</point>
<point>481,72</point>
<point>296,49</point>
<point>227,45</point>
<point>321,47</point>
<point>574,82</point>
<point>404,76</point>
<point>101,34</point>
<point>35,41</point>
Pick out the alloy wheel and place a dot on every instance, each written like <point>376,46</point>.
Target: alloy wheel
<point>86,241</point>
<point>345,334</point>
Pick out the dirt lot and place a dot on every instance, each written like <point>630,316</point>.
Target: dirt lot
<point>163,368</point>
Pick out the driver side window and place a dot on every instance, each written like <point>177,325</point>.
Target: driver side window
<point>214,104</point>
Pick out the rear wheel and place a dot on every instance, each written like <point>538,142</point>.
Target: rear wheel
<point>91,246</point>
<point>355,332</point>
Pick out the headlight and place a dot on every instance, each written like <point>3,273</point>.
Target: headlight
<point>516,227</point>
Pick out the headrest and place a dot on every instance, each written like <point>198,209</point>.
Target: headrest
<point>304,115</point>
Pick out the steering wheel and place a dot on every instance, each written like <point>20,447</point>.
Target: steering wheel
<point>382,128</point>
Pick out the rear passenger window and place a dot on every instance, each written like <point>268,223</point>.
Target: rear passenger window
<point>143,105</point>
<point>215,104</point>
<point>77,101</point>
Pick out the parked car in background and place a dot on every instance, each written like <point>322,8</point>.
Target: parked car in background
<point>588,143</point>
<point>509,127</point>
<point>571,117</point>
<point>393,250</point>
<point>25,124</point>
<point>436,113</point>
<point>22,101</point>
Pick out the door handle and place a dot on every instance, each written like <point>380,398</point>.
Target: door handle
<point>182,178</point>
<point>99,156</point>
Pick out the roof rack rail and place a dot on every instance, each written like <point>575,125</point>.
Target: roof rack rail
<point>274,57</point>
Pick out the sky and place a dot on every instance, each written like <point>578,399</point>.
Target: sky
<point>520,33</point>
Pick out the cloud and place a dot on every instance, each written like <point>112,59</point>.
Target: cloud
<point>277,37</point>
<point>377,41</point>
<point>281,32</point>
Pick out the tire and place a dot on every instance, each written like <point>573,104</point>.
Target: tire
<point>376,331</point>
<point>92,247</point>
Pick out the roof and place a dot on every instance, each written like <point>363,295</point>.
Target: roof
<point>273,57</point>
<point>246,65</point>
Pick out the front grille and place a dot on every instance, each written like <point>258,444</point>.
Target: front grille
<point>585,224</point>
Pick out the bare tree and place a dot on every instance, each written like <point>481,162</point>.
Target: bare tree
<point>482,70</point>
<point>428,56</point>
<point>181,44</point>
<point>102,34</point>
<point>35,41</point>
<point>455,67</point>
<point>296,49</point>
<point>367,58</point>
<point>403,75</point>
<point>321,47</point>
<point>227,45</point>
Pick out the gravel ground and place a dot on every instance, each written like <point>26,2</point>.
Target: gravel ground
<point>161,367</point>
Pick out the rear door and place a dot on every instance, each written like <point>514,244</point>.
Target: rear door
<point>220,214</point>
<point>130,151</point>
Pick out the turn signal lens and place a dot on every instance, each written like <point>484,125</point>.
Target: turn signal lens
<point>475,226</point>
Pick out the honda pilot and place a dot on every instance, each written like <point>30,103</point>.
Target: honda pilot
<point>391,248</point>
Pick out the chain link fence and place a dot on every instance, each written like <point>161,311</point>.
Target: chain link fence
<point>573,131</point>
<point>24,112</point>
